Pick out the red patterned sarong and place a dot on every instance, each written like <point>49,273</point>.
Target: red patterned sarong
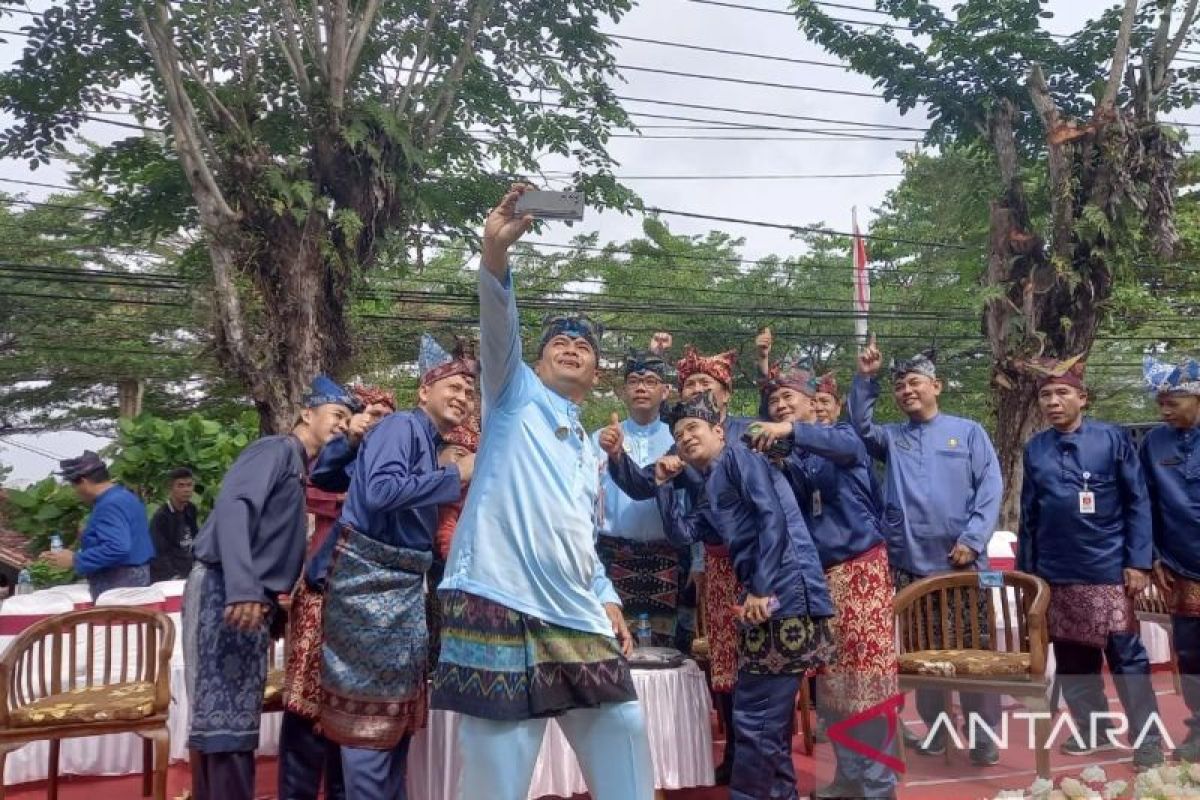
<point>864,670</point>
<point>1184,598</point>
<point>721,593</point>
<point>302,672</point>
<point>1087,614</point>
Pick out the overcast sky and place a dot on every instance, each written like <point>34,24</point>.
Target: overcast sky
<point>786,201</point>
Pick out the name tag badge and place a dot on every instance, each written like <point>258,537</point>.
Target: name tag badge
<point>991,579</point>
<point>817,509</point>
<point>1087,502</point>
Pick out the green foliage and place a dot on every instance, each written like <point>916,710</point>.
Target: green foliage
<point>43,509</point>
<point>147,448</point>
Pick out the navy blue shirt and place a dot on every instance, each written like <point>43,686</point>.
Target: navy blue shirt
<point>256,532</point>
<point>830,472</point>
<point>1170,459</point>
<point>332,469</point>
<point>638,482</point>
<point>397,485</point>
<point>1059,543</point>
<point>751,510</point>
<point>117,533</point>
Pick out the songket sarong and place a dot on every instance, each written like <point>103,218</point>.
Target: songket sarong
<point>721,594</point>
<point>226,669</point>
<point>101,581</point>
<point>1184,597</point>
<point>1086,614</point>
<point>500,664</point>
<point>790,645</point>
<point>646,577</point>
<point>302,670</point>
<point>957,614</point>
<point>373,657</point>
<point>863,673</point>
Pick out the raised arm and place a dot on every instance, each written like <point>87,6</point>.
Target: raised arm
<point>683,526</point>
<point>331,472</point>
<point>863,393</point>
<point>499,326</point>
<point>838,443</point>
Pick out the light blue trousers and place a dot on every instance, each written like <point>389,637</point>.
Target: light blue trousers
<point>610,743</point>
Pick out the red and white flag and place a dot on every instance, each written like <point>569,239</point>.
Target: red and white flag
<point>862,283</point>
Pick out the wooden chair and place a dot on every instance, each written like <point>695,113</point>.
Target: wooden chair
<point>89,673</point>
<point>1151,606</point>
<point>946,643</point>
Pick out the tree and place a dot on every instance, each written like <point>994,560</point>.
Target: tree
<point>310,141</point>
<point>1110,184</point>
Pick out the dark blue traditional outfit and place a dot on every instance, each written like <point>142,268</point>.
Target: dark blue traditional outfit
<point>250,549</point>
<point>1171,461</point>
<point>1085,518</point>
<point>752,511</point>
<point>942,487</point>
<point>830,474</point>
<point>374,660</point>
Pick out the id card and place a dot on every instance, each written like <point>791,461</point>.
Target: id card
<point>817,508</point>
<point>991,579</point>
<point>1087,502</point>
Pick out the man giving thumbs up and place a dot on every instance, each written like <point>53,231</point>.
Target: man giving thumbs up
<point>631,533</point>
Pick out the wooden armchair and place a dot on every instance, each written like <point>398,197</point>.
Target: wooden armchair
<point>955,635</point>
<point>1152,606</point>
<point>88,673</point>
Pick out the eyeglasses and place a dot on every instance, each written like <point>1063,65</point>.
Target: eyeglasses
<point>633,381</point>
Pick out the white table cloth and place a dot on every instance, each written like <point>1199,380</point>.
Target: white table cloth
<point>677,707</point>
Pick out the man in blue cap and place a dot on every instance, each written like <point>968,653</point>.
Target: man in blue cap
<point>533,628</point>
<point>249,552</point>
<point>1170,458</point>
<point>115,549</point>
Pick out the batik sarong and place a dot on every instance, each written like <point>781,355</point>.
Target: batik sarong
<point>863,673</point>
<point>101,581</point>
<point>790,645</point>
<point>433,611</point>
<point>226,668</point>
<point>1184,597</point>
<point>958,614</point>
<point>721,594</point>
<point>500,664</point>
<point>373,657</point>
<point>646,577</point>
<point>1087,614</point>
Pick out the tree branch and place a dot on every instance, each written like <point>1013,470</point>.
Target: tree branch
<point>337,44</point>
<point>441,107</point>
<point>419,57</point>
<point>1119,58</point>
<point>1061,205</point>
<point>1189,17</point>
<point>362,29</point>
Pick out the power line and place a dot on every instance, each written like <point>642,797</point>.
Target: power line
<point>722,51</point>
<point>748,82</point>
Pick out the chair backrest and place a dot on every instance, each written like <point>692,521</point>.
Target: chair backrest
<point>954,612</point>
<point>119,644</point>
<point>1151,605</point>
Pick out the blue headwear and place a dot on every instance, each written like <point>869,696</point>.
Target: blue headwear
<point>1171,379</point>
<point>73,469</point>
<point>700,407</point>
<point>645,361</point>
<point>577,326</point>
<point>324,391</point>
<point>923,363</point>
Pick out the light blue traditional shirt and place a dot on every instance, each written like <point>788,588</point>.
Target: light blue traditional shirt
<point>624,517</point>
<point>526,536</point>
<point>942,485</point>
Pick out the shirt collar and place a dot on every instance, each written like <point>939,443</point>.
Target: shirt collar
<point>633,426</point>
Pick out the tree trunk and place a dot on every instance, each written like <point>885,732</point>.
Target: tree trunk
<point>129,397</point>
<point>1017,418</point>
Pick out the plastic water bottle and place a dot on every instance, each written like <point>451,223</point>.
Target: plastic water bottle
<point>24,582</point>
<point>56,543</point>
<point>645,636</point>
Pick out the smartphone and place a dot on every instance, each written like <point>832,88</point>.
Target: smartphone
<point>779,449</point>
<point>551,205</point>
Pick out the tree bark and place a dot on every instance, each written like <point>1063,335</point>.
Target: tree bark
<point>130,392</point>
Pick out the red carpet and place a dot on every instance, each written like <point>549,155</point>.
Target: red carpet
<point>926,779</point>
